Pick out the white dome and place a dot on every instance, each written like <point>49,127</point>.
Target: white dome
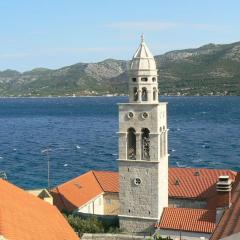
<point>143,59</point>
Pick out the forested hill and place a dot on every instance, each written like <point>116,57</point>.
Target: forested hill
<point>209,70</point>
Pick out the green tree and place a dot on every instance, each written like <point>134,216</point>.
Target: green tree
<point>88,225</point>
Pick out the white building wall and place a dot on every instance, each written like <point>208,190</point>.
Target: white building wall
<point>175,235</point>
<point>94,206</point>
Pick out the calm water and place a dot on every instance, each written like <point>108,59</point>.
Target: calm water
<point>81,133</point>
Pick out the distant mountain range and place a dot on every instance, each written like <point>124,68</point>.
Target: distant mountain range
<point>209,70</point>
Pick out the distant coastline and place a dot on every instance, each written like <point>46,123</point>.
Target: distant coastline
<point>108,95</point>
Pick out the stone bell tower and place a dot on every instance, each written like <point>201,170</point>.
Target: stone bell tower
<point>143,144</point>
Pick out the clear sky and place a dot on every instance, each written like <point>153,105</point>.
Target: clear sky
<point>56,33</point>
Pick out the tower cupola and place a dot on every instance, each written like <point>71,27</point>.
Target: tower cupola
<point>143,85</point>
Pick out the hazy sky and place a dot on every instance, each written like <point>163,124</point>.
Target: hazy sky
<point>56,33</point>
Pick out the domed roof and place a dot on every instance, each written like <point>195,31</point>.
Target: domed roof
<point>143,58</point>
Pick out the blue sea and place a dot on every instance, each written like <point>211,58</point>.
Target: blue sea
<point>80,134</point>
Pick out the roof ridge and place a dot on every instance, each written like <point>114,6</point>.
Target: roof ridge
<point>93,172</point>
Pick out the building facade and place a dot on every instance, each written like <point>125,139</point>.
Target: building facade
<point>143,144</point>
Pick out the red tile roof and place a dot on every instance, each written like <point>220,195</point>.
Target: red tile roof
<point>80,190</point>
<point>186,219</point>
<point>24,216</point>
<point>107,180</point>
<point>195,183</point>
<point>230,221</point>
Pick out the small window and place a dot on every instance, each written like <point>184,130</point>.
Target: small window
<point>137,181</point>
<point>129,210</point>
<point>144,79</point>
<point>109,201</point>
<point>149,212</point>
<point>144,115</point>
<point>134,79</point>
<point>128,169</point>
<point>144,94</point>
<point>154,79</point>
<point>130,115</point>
<point>135,94</point>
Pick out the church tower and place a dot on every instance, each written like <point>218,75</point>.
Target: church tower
<point>143,144</point>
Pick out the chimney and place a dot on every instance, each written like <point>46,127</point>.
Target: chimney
<point>224,184</point>
<point>223,201</point>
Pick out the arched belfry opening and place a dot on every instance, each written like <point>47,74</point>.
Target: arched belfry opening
<point>145,144</point>
<point>131,144</point>
<point>144,94</point>
<point>135,94</point>
<point>143,158</point>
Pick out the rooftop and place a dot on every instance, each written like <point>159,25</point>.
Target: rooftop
<point>185,219</point>
<point>24,216</point>
<point>229,223</point>
<point>191,183</point>
<point>80,190</point>
<point>143,58</point>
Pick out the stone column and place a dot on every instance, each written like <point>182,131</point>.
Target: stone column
<point>139,95</point>
<point>138,146</point>
<point>122,143</point>
<point>149,96</point>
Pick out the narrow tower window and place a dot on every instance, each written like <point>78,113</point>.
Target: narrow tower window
<point>131,144</point>
<point>154,79</point>
<point>144,79</point>
<point>145,144</point>
<point>134,79</point>
<point>135,94</point>
<point>144,94</point>
<point>154,94</point>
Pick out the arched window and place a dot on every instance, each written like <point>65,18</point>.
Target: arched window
<point>154,79</point>
<point>144,94</point>
<point>154,94</point>
<point>131,144</point>
<point>135,93</point>
<point>145,144</point>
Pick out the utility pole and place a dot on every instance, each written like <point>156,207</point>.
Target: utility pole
<point>47,150</point>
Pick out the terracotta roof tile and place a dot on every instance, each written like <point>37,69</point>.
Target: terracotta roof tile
<point>195,183</point>
<point>185,219</point>
<point>76,192</point>
<point>230,221</point>
<point>108,180</point>
<point>80,190</point>
<point>24,216</point>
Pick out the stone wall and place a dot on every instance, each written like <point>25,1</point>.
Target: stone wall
<point>111,203</point>
<point>137,225</point>
<point>88,236</point>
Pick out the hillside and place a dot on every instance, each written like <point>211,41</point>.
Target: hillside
<point>208,70</point>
